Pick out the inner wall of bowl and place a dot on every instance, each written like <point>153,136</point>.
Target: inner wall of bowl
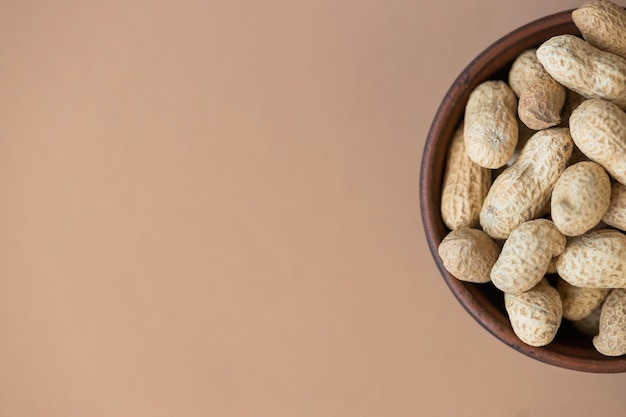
<point>484,302</point>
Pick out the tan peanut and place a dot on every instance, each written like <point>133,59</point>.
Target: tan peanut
<point>596,259</point>
<point>611,340</point>
<point>541,98</point>
<point>590,325</point>
<point>522,191</point>
<point>469,254</point>
<point>535,314</point>
<point>616,213</point>
<point>580,198</point>
<point>587,70</point>
<point>598,128</point>
<point>465,186</point>
<point>579,302</point>
<point>490,126</point>
<point>526,255</point>
<point>603,24</point>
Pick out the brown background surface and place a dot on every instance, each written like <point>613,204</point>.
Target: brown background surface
<point>210,208</point>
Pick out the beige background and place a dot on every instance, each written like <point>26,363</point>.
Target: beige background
<point>210,208</point>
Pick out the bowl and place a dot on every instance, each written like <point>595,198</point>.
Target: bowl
<point>570,349</point>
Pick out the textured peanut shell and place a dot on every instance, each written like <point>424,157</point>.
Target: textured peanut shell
<point>541,98</point>
<point>469,254</point>
<point>616,213</point>
<point>579,302</point>
<point>535,314</point>
<point>522,191</point>
<point>587,70</point>
<point>465,186</point>
<point>603,24</point>
<point>526,255</point>
<point>490,128</point>
<point>596,259</point>
<point>580,198</point>
<point>598,129</point>
<point>590,325</point>
<point>611,340</point>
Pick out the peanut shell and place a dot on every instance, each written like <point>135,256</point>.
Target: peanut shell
<point>611,340</point>
<point>590,325</point>
<point>465,186</point>
<point>522,191</point>
<point>526,255</point>
<point>616,213</point>
<point>541,98</point>
<point>490,126</point>
<point>596,259</point>
<point>535,314</point>
<point>580,198</point>
<point>587,70</point>
<point>603,24</point>
<point>578,302</point>
<point>469,254</point>
<point>598,128</point>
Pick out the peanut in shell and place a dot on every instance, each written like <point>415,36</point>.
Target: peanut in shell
<point>490,125</point>
<point>596,259</point>
<point>603,24</point>
<point>465,186</point>
<point>585,69</point>
<point>522,191</point>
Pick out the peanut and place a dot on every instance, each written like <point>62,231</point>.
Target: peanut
<point>580,198</point>
<point>465,186</point>
<point>616,213</point>
<point>490,126</point>
<point>598,128</point>
<point>541,98</point>
<point>523,190</point>
<point>469,254</point>
<point>526,255</point>
<point>611,340</point>
<point>603,24</point>
<point>587,70</point>
<point>579,302</point>
<point>535,314</point>
<point>590,325</point>
<point>596,259</point>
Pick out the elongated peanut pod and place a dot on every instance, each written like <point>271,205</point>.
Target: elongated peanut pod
<point>541,98</point>
<point>616,213</point>
<point>579,302</point>
<point>590,325</point>
<point>465,186</point>
<point>596,259</point>
<point>535,314</point>
<point>490,128</point>
<point>599,130</point>
<point>587,70</point>
<point>611,340</point>
<point>522,191</point>
<point>603,24</point>
<point>525,256</point>
<point>580,198</point>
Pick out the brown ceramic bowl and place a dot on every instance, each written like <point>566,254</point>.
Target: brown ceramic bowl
<point>570,349</point>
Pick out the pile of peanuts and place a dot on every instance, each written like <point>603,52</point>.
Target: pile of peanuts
<point>535,185</point>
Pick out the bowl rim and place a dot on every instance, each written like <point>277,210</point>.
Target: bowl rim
<point>470,297</point>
